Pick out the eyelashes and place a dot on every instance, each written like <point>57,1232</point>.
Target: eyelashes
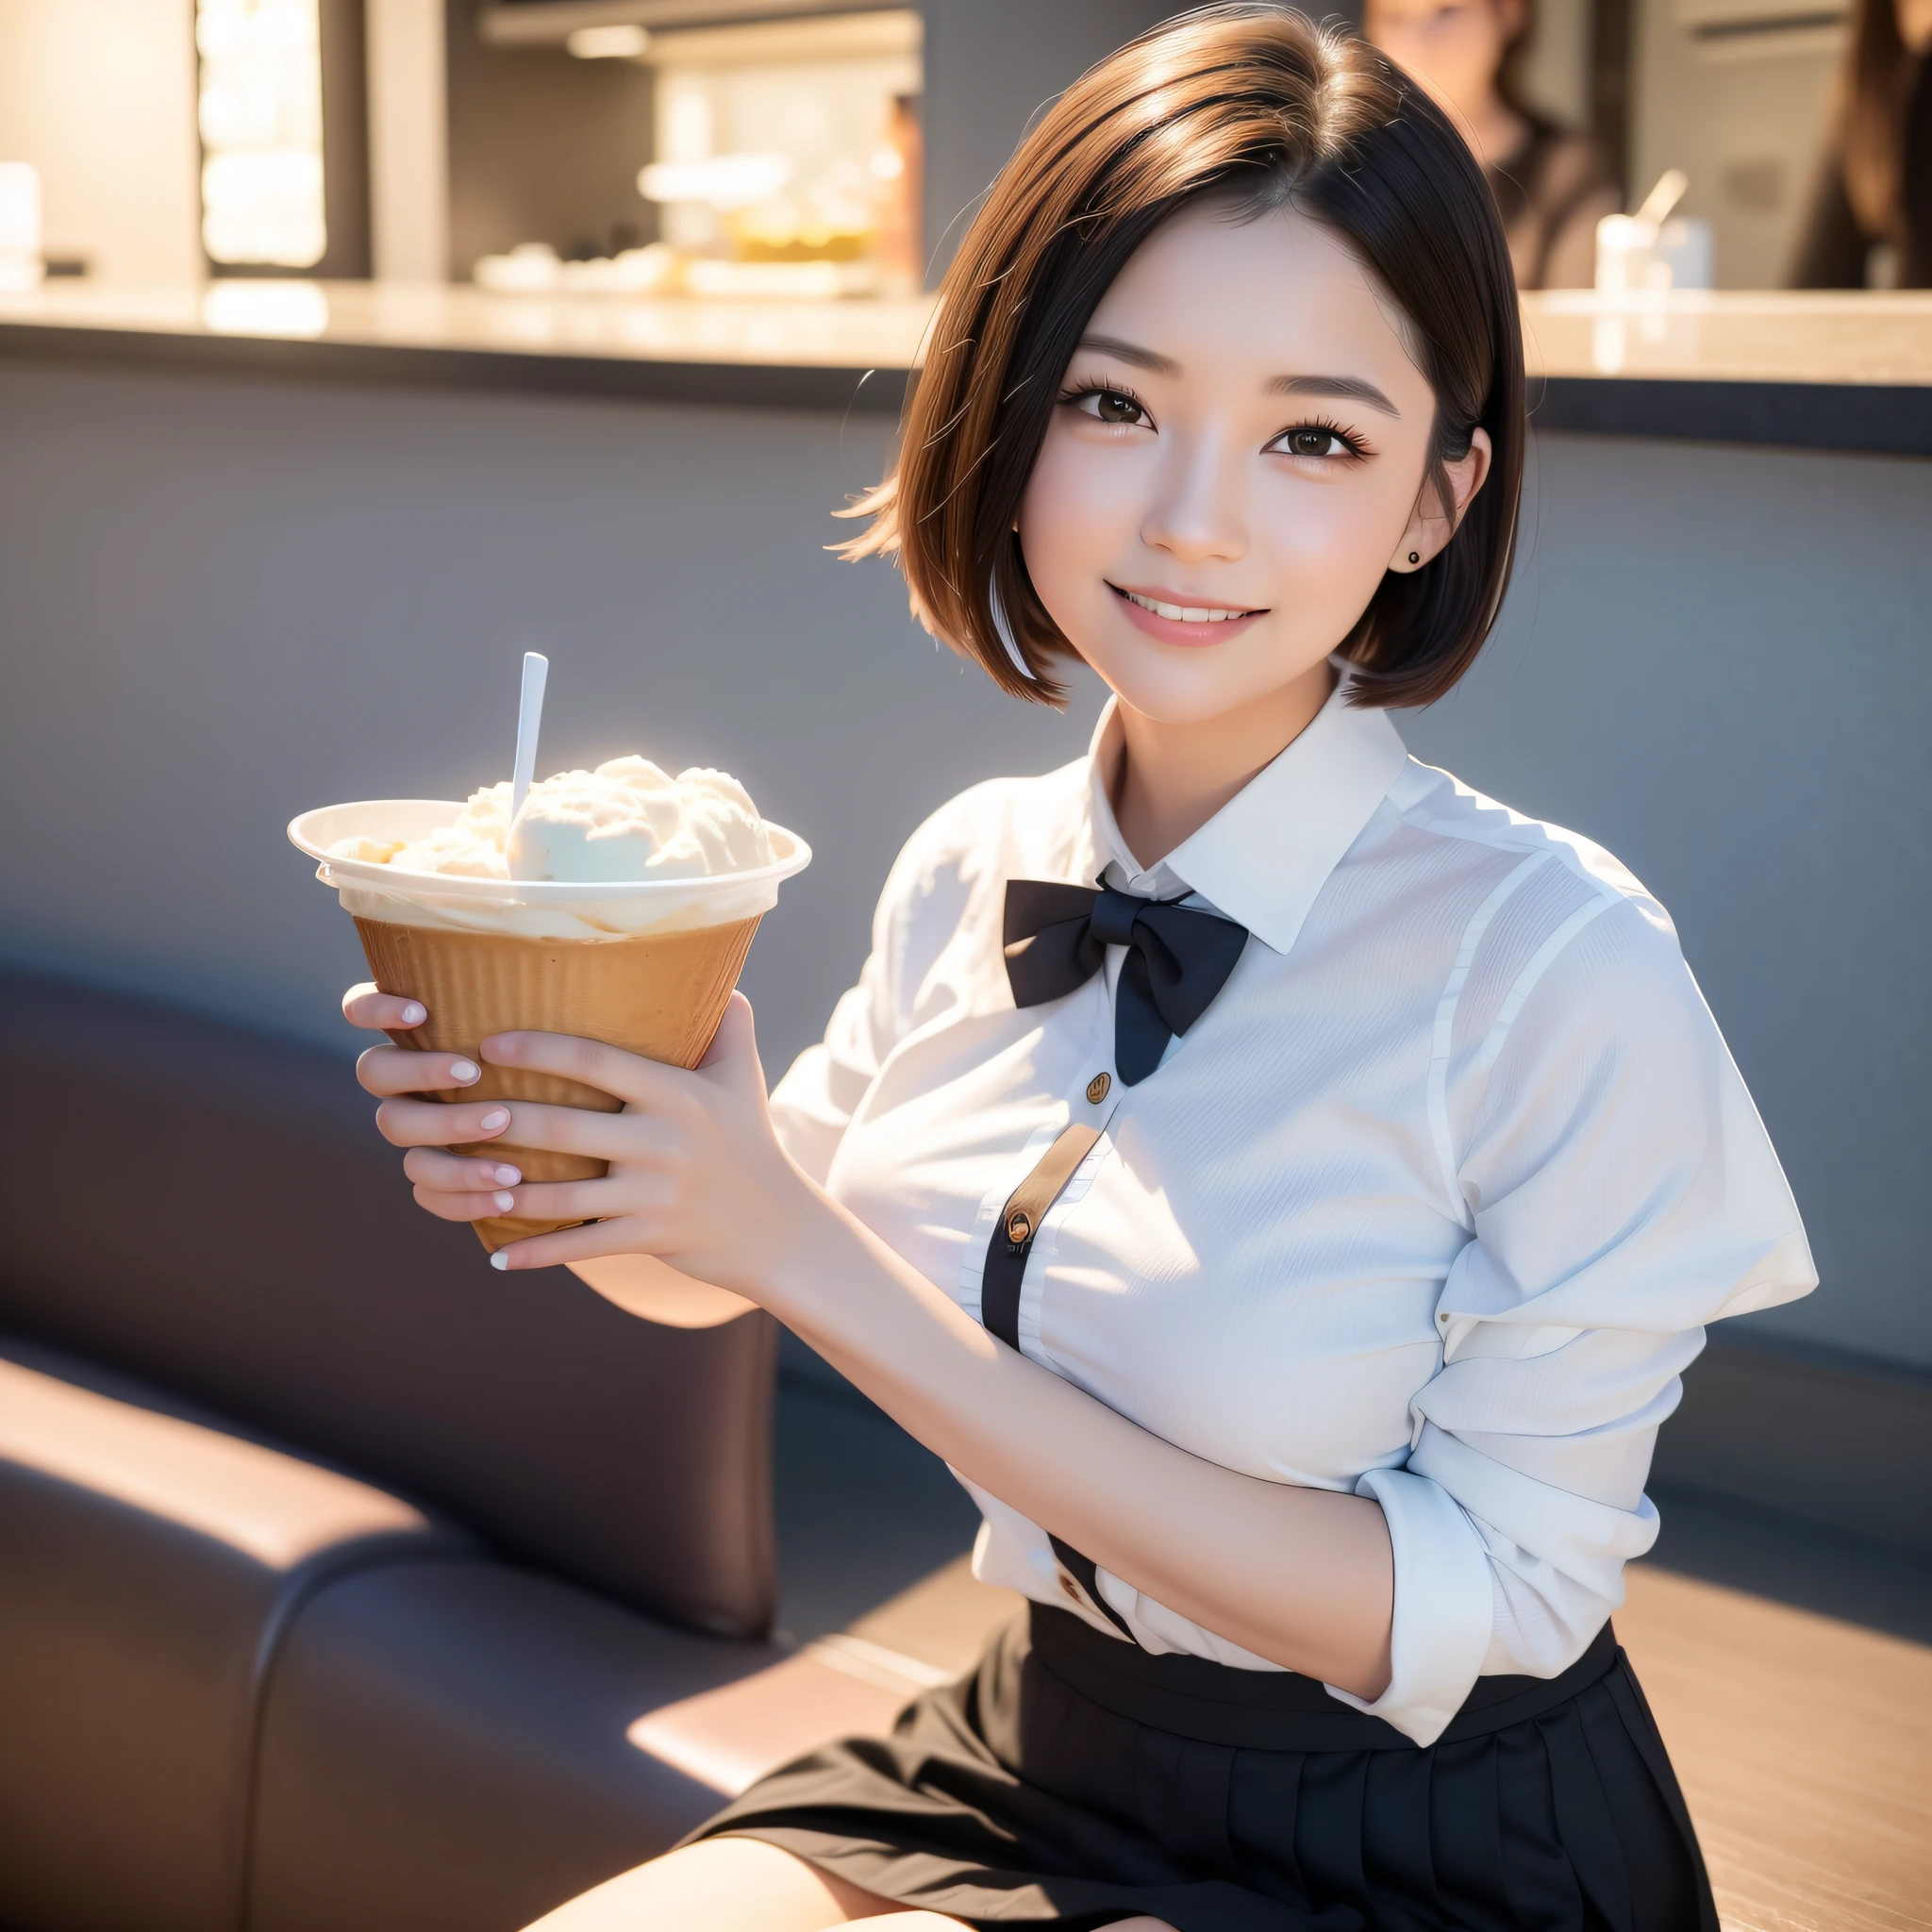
<point>1321,429</point>
<point>1106,397</point>
<point>1317,438</point>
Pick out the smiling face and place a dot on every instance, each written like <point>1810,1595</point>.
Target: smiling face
<point>1235,459</point>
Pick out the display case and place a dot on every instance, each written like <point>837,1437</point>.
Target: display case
<point>778,157</point>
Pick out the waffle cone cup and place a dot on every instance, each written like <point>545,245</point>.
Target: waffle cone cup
<point>659,994</point>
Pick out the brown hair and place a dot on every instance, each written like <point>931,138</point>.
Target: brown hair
<point>1873,92</point>
<point>1256,103</point>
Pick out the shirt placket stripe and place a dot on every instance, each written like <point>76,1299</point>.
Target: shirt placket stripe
<point>1003,1283</point>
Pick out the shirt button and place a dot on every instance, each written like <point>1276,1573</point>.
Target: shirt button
<point>1443,1319</point>
<point>1068,1588</point>
<point>1097,1088</point>
<point>1019,1226</point>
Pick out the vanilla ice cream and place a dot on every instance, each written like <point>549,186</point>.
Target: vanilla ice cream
<point>627,823</point>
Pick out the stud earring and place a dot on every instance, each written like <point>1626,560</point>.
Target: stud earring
<point>1415,556</point>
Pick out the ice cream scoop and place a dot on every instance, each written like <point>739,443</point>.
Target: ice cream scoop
<point>631,820</point>
<point>627,822</point>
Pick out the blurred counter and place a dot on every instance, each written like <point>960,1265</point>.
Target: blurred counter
<point>1846,372</point>
<point>800,355</point>
<point>1810,371</point>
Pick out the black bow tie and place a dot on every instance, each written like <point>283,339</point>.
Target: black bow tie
<point>1177,959</point>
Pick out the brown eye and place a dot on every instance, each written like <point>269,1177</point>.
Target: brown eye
<point>1111,407</point>
<point>1312,442</point>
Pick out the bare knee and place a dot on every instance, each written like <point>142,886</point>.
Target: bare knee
<point>903,1922</point>
<point>741,1882</point>
<point>936,1922</point>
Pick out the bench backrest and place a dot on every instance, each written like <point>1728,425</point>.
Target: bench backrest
<point>212,1209</point>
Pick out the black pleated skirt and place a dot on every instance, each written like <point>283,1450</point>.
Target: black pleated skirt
<point>1074,1780</point>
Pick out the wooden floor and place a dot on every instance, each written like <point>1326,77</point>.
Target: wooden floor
<point>1805,1749</point>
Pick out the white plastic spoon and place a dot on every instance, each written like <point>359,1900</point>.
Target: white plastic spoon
<point>529,721</point>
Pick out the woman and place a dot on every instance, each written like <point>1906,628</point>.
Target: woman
<point>1284,1185</point>
<point>1874,189</point>
<point>1551,186</point>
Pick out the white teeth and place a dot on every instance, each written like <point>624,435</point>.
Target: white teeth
<point>1181,613</point>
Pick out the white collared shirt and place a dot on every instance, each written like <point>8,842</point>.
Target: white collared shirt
<point>1432,1204</point>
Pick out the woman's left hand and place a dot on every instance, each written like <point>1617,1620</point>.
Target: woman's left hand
<point>697,1176</point>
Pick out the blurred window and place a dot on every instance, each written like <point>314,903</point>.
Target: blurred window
<point>259,110</point>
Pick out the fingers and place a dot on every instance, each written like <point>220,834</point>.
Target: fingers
<point>457,1186</point>
<point>363,1005</point>
<point>629,1076</point>
<point>734,1049</point>
<point>434,1123</point>
<point>569,1245</point>
<point>431,1167</point>
<point>593,1200</point>
<point>386,1070</point>
<point>631,1138</point>
<point>471,1206</point>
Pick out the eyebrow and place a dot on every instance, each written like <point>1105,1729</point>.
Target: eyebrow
<point>1353,387</point>
<point>1150,359</point>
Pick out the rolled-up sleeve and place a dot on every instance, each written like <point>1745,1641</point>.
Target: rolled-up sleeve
<point>1622,1194</point>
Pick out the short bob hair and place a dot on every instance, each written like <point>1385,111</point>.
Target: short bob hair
<point>1254,104</point>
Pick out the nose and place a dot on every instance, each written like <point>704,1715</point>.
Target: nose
<point>1199,512</point>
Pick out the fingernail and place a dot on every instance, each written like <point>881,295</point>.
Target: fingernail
<point>509,1176</point>
<point>414,1014</point>
<point>496,1117</point>
<point>465,1071</point>
<point>499,1259</point>
<point>504,1202</point>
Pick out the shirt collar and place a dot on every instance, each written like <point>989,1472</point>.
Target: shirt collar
<point>1265,855</point>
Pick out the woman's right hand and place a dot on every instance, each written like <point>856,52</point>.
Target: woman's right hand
<point>453,1187</point>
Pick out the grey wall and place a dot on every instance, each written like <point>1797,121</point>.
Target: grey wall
<point>219,604</point>
<point>223,602</point>
<point>990,65</point>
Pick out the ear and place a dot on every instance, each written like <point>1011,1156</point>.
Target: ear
<point>1430,528</point>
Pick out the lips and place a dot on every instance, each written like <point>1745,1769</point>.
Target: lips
<point>1178,612</point>
<point>1173,622</point>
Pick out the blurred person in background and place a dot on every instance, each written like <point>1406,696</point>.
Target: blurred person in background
<point>1874,187</point>
<point>1551,186</point>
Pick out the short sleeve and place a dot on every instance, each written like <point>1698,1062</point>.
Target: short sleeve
<point>1622,1194</point>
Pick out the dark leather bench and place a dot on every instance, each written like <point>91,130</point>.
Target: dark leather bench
<point>343,1580</point>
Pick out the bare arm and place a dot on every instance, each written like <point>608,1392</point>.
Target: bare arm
<point>1303,1577</point>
